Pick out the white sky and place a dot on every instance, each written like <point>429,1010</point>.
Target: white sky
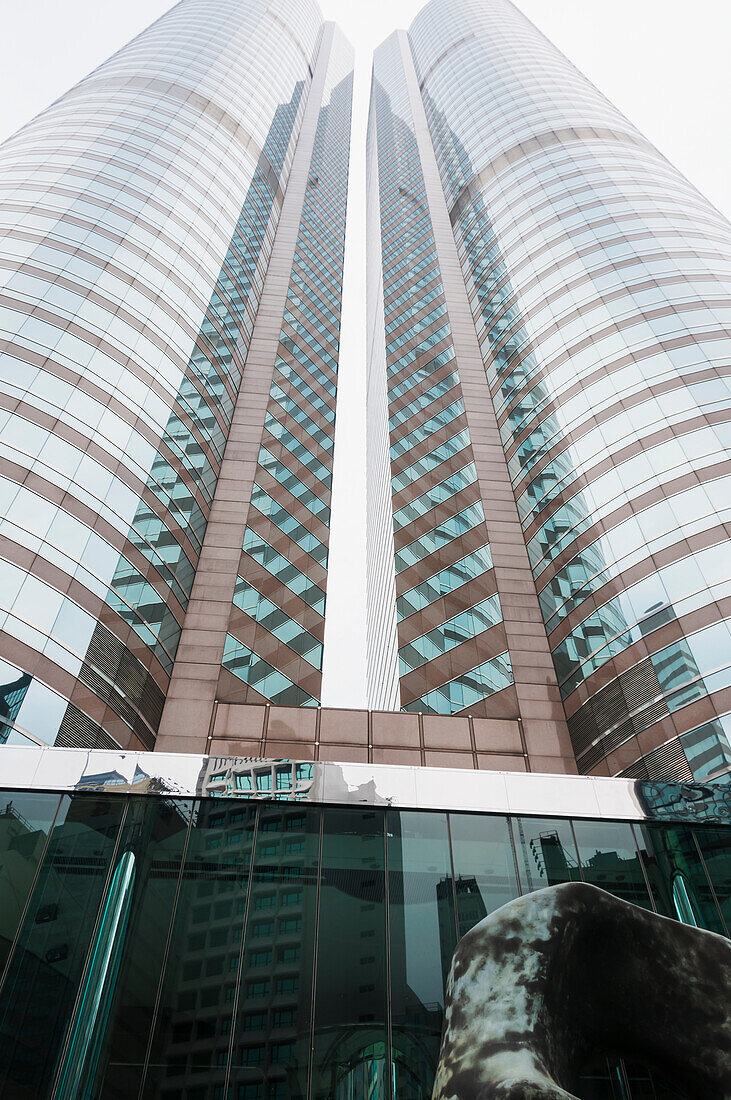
<point>664,63</point>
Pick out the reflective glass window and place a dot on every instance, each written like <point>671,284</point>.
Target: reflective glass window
<point>546,852</point>
<point>714,848</point>
<point>423,935</point>
<point>610,859</point>
<point>286,988</point>
<point>212,895</point>
<point>484,867</point>
<point>53,952</point>
<point>679,880</point>
<point>350,1032</point>
<point>26,818</point>
<point>157,832</point>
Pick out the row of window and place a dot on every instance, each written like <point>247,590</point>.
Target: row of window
<point>424,395</point>
<point>599,292</point>
<point>118,223</point>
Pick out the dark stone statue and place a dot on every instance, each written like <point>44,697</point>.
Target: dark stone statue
<point>570,972</point>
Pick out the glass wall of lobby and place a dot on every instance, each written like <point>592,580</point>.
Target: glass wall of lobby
<point>207,949</point>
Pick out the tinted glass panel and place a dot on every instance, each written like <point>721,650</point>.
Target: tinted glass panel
<point>546,852</point>
<point>350,1034</point>
<point>156,832</point>
<point>193,1024</point>
<point>484,867</point>
<point>610,859</point>
<point>49,961</point>
<point>423,935</point>
<point>272,1024</point>
<point>25,822</point>
<point>716,852</point>
<point>678,879</point>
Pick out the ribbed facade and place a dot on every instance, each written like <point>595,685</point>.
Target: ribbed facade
<point>381,633</point>
<point>445,586</point>
<point>275,637</point>
<point>598,282</point>
<point>139,215</point>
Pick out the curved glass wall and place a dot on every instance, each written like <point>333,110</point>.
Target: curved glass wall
<point>282,950</point>
<point>599,285</point>
<point>137,218</point>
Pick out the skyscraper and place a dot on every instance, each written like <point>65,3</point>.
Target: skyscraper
<point>550,342</point>
<point>172,248</point>
<point>267,906</point>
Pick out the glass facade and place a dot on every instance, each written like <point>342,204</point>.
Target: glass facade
<point>138,216</point>
<point>547,403</point>
<point>546,374</point>
<point>440,544</point>
<point>273,649</point>
<point>201,948</point>
<point>598,286</point>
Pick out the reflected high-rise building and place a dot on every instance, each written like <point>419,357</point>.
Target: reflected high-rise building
<point>171,255</point>
<point>463,897</point>
<point>267,906</point>
<point>550,333</point>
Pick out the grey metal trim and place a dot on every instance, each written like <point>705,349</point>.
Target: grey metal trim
<point>189,775</point>
<point>241,957</point>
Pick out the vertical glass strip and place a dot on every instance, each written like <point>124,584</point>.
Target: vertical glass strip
<point>192,1028</point>
<point>546,852</point>
<point>669,853</point>
<point>713,845</point>
<point>610,859</point>
<point>26,818</point>
<point>49,959</point>
<point>484,867</point>
<point>157,833</point>
<point>271,1039</point>
<point>350,1049</point>
<point>86,1031</point>
<point>422,940</point>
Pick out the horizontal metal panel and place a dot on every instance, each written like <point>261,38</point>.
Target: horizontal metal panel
<point>181,775</point>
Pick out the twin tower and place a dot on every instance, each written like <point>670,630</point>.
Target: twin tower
<point>548,404</point>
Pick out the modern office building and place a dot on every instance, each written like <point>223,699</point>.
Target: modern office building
<point>266,906</point>
<point>546,502</point>
<point>550,326</point>
<point>171,262</point>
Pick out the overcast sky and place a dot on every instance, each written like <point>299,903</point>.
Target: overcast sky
<point>664,63</point>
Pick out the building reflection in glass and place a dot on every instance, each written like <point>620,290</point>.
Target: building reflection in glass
<point>11,700</point>
<point>270,950</point>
